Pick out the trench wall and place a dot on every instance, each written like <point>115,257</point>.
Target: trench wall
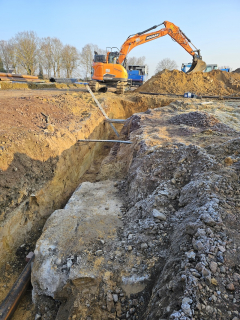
<point>76,158</point>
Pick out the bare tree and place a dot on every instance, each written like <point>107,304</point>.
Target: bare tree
<point>134,61</point>
<point>46,55</point>
<point>1,66</point>
<point>27,50</point>
<point>17,68</point>
<point>6,51</point>
<point>166,64</point>
<point>70,57</point>
<point>86,57</point>
<point>57,48</point>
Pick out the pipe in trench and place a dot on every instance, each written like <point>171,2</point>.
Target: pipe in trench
<point>180,95</point>
<point>9,304</point>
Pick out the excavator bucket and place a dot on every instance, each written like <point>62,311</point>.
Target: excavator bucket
<point>197,65</point>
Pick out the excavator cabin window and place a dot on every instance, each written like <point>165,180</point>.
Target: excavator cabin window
<point>99,58</point>
<point>113,57</point>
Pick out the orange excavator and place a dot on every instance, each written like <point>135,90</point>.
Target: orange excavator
<point>110,70</point>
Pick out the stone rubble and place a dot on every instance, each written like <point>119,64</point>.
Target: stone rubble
<point>173,252</point>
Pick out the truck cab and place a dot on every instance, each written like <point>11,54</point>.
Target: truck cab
<point>137,75</point>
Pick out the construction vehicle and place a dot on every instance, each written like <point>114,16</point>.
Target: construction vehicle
<point>137,75</point>
<point>209,67</point>
<point>110,70</point>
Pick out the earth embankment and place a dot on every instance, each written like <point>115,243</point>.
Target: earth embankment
<point>212,83</point>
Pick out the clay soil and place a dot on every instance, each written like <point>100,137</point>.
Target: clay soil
<point>213,83</point>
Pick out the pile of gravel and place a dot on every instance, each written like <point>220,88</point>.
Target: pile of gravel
<point>195,119</point>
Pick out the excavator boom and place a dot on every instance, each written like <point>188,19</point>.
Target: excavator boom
<point>174,32</point>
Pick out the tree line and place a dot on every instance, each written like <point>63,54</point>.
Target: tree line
<point>49,57</point>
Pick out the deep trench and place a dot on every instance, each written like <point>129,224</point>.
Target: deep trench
<point>87,159</point>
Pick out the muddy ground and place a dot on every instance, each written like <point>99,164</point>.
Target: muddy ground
<point>38,145</point>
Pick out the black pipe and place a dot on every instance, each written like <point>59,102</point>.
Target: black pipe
<point>162,94</point>
<point>199,97</point>
<point>9,304</point>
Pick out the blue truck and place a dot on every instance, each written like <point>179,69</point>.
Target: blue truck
<point>209,67</point>
<point>137,75</point>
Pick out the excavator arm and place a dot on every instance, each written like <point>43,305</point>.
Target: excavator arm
<point>174,32</point>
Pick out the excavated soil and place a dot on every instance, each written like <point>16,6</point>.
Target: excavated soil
<point>215,82</point>
<point>41,163</point>
<point>179,185</point>
<point>172,251</point>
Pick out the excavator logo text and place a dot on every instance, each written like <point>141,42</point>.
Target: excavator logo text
<point>152,36</point>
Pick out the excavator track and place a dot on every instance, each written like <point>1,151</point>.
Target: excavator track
<point>93,86</point>
<point>121,86</point>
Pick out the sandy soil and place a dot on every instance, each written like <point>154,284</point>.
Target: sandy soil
<point>215,82</point>
<point>36,127</point>
<point>31,119</point>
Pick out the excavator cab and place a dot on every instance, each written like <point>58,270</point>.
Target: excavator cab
<point>113,57</point>
<point>99,57</point>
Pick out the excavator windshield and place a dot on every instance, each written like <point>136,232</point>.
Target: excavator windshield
<point>113,57</point>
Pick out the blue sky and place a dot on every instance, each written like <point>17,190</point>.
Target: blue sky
<point>212,26</point>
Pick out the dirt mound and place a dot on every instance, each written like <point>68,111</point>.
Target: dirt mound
<point>215,82</point>
<point>195,119</point>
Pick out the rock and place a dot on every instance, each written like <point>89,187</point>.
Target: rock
<point>205,272</point>
<point>213,298</point>
<point>187,300</point>
<point>186,309</point>
<point>230,287</point>
<point>220,257</point>
<point>191,228</point>
<point>132,310</point>
<point>98,253</point>
<point>190,255</point>
<point>144,246</point>
<point>209,309</point>
<point>236,277</point>
<point>214,282</point>
<point>115,297</point>
<point>200,233</point>
<point>75,231</point>
<point>159,215</point>
<point>221,248</point>
<point>175,315</point>
<point>222,269</point>
<point>197,245</point>
<point>199,266</point>
<point>208,220</point>
<point>135,302</point>
<point>213,266</point>
<point>228,161</point>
